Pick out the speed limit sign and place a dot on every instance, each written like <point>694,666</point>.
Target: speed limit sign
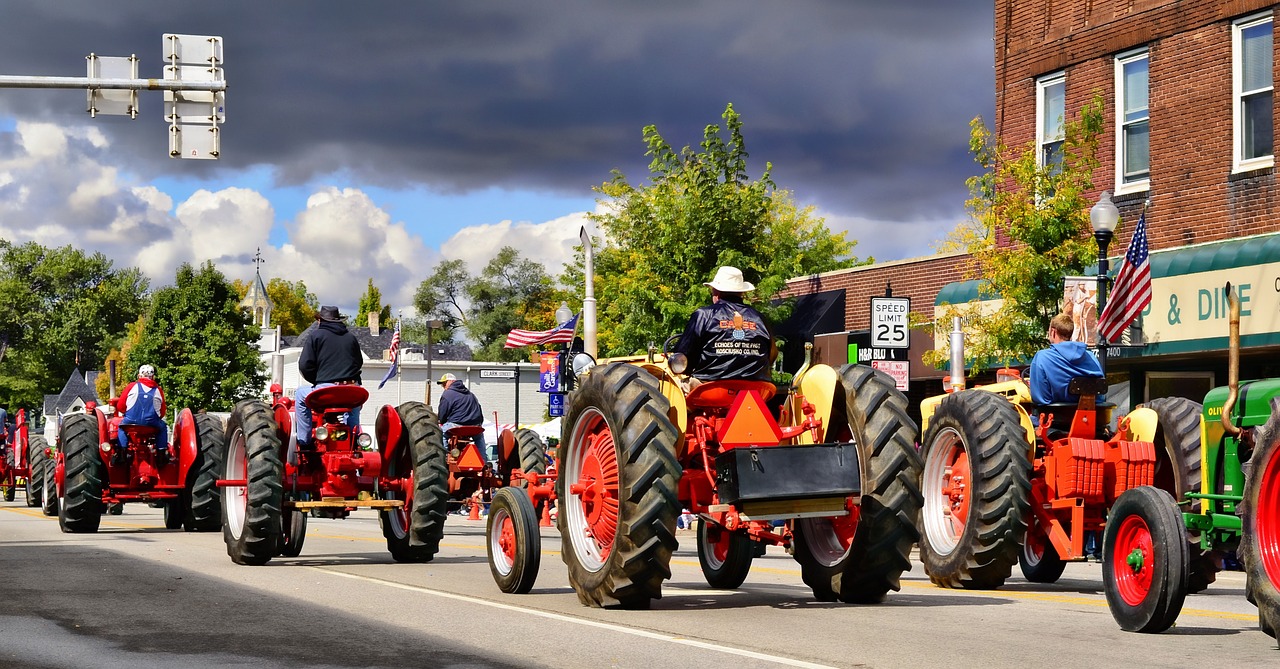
<point>889,320</point>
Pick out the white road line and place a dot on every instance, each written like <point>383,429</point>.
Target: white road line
<point>587,623</point>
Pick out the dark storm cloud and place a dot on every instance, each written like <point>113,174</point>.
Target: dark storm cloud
<point>861,105</point>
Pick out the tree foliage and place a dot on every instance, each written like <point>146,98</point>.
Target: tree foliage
<point>700,210</point>
<point>371,302</point>
<point>293,307</point>
<point>1028,228</point>
<point>120,356</point>
<point>59,308</point>
<point>442,296</point>
<point>203,346</point>
<point>511,292</point>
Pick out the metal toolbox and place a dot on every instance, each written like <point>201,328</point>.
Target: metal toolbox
<point>788,472</point>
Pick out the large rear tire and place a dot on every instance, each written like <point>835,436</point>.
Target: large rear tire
<point>860,557</point>
<point>1178,473</point>
<point>36,457</point>
<point>413,531</point>
<point>725,557</point>
<point>80,508</point>
<point>977,488</point>
<point>203,511</point>
<point>617,488</point>
<point>514,541</point>
<point>251,514</point>
<point>1260,536</point>
<point>1144,560</point>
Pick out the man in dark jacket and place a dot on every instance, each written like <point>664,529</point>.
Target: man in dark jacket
<point>459,407</point>
<point>330,356</point>
<point>726,339</point>
<point>1053,368</point>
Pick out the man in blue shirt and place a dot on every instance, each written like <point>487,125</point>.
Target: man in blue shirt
<point>1054,367</point>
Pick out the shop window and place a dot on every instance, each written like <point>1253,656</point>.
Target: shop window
<point>1133,146</point>
<point>1191,385</point>
<point>1252,85</point>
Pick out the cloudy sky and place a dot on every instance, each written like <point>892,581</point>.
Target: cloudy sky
<point>374,139</point>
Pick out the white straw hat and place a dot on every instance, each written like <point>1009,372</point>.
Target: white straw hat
<point>729,280</point>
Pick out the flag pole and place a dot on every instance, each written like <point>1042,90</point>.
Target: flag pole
<point>396,361</point>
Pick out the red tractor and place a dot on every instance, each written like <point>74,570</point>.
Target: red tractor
<point>472,480</point>
<point>20,463</point>
<point>270,485</point>
<point>829,471</point>
<point>91,472</point>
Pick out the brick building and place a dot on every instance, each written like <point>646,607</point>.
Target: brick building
<point>1189,103</point>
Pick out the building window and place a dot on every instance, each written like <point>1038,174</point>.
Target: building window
<point>1251,78</point>
<point>1050,104</point>
<point>1133,141</point>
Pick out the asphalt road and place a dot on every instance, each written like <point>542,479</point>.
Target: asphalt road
<point>135,595</point>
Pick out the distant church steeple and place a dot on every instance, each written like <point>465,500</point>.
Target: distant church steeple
<point>256,300</point>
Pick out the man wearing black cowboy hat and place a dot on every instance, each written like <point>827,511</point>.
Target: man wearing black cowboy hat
<point>330,356</point>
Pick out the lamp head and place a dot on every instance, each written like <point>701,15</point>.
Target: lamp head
<point>1104,216</point>
<point>564,313</point>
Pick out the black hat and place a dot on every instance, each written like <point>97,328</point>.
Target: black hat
<point>330,313</point>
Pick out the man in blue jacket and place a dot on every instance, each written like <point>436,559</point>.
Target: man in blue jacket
<point>459,407</point>
<point>330,356</point>
<point>1053,368</point>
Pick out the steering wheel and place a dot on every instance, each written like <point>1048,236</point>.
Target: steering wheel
<point>671,341</point>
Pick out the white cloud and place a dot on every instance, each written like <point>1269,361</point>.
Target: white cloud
<point>550,243</point>
<point>890,240</point>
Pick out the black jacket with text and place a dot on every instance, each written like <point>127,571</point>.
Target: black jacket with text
<point>726,340</point>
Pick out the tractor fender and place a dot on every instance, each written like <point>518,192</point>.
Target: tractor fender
<point>821,387</point>
<point>389,430</point>
<point>1024,420</point>
<point>1143,423</point>
<point>670,388</point>
<point>185,437</point>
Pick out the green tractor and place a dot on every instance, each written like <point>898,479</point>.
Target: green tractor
<point>1146,556</point>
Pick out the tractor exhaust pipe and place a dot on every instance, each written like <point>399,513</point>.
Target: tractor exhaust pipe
<point>111,378</point>
<point>957,355</point>
<point>277,368</point>
<point>1233,363</point>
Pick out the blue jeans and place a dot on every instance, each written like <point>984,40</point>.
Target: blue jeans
<point>162,437</point>
<point>302,412</point>
<point>478,440</point>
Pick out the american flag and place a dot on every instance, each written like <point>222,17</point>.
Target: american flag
<point>1132,292</point>
<point>560,334</point>
<point>395,357</point>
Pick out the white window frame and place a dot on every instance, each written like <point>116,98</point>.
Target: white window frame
<point>1239,164</point>
<point>1137,185</point>
<point>1043,83</point>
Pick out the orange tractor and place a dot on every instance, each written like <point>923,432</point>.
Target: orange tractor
<point>472,480</point>
<point>829,471</point>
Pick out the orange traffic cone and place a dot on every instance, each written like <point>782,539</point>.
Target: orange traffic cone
<point>475,509</point>
<point>546,515</point>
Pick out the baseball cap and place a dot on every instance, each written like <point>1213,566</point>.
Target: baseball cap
<point>446,377</point>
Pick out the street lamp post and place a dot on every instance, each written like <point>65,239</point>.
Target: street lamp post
<point>1104,216</point>
<point>431,325</point>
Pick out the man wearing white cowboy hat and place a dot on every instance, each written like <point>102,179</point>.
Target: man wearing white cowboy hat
<point>726,339</point>
<point>330,356</point>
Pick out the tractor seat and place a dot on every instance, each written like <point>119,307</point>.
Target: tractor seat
<point>722,393</point>
<point>463,431</point>
<point>341,397</point>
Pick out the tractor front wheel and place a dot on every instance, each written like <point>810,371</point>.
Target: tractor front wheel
<point>617,488</point>
<point>725,556</point>
<point>36,457</point>
<point>977,487</point>
<point>293,532</point>
<point>80,508</point>
<point>1039,560</point>
<point>174,511</point>
<point>514,541</point>
<point>858,558</point>
<point>202,510</point>
<point>413,531</point>
<point>1260,538</point>
<point>1144,560</point>
<point>1177,443</point>
<point>251,513</point>
<point>49,500</point>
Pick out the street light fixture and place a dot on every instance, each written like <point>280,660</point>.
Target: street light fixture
<point>563,314</point>
<point>431,325</point>
<point>1104,216</point>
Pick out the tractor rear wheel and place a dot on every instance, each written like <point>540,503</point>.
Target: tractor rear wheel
<point>514,541</point>
<point>36,457</point>
<point>203,509</point>
<point>293,532</point>
<point>617,488</point>
<point>251,514</point>
<point>1178,472</point>
<point>1144,560</point>
<point>725,556</point>
<point>414,531</point>
<point>532,452</point>
<point>860,557</point>
<point>80,508</point>
<point>1260,537</point>
<point>977,488</point>
<point>1039,560</point>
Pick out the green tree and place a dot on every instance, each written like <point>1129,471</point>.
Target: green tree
<point>293,307</point>
<point>59,308</point>
<point>120,356</point>
<point>1028,228</point>
<point>371,302</point>
<point>442,296</point>
<point>699,211</point>
<point>511,292</point>
<point>203,346</point>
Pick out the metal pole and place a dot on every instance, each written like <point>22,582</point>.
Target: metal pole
<point>20,81</point>
<point>517,423</point>
<point>430,379</point>
<point>395,361</point>
<point>1103,238</point>
<point>589,299</point>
